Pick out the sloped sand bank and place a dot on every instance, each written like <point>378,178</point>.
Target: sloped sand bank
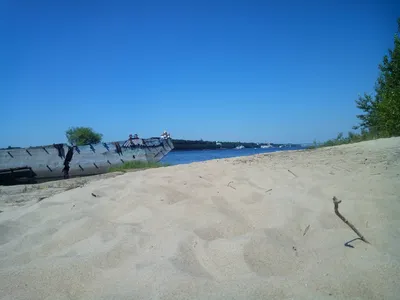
<point>259,227</point>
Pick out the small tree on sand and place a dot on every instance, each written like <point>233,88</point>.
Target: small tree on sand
<point>381,112</point>
<point>79,136</point>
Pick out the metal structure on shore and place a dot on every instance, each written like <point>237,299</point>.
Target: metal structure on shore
<point>59,161</point>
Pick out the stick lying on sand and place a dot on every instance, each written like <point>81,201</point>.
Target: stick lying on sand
<point>229,184</point>
<point>336,202</point>
<point>305,231</point>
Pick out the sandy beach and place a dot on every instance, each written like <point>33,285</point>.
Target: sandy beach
<point>257,227</point>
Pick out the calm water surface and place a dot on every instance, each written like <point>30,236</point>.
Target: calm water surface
<point>187,157</point>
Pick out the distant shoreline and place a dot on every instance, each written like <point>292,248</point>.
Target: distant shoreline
<point>183,145</point>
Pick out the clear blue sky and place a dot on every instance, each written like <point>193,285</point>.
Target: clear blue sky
<point>278,71</point>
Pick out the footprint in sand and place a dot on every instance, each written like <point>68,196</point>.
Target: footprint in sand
<point>255,197</point>
<point>232,223</point>
<point>271,253</point>
<point>188,258</point>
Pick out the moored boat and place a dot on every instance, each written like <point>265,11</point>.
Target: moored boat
<point>59,161</point>
<point>266,146</point>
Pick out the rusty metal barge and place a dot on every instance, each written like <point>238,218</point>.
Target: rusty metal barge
<point>59,161</point>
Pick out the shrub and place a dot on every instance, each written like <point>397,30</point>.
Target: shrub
<point>79,136</point>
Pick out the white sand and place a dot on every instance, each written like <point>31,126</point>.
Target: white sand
<point>183,233</point>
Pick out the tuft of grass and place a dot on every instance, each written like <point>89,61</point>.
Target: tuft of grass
<point>351,138</point>
<point>315,145</point>
<point>136,165</point>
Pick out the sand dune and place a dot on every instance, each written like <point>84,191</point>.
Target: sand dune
<point>258,227</point>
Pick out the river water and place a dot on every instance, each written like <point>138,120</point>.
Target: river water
<point>187,157</point>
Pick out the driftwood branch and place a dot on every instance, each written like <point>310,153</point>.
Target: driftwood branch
<point>336,202</point>
<point>306,230</point>
<point>229,184</point>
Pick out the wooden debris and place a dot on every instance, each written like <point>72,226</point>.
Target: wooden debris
<point>292,173</point>
<point>41,198</point>
<point>306,230</point>
<point>229,184</point>
<point>336,202</point>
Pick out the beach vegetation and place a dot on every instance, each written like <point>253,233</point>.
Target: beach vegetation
<point>79,136</point>
<point>136,165</point>
<point>380,111</point>
<point>341,139</point>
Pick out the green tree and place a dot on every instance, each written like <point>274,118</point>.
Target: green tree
<point>382,111</point>
<point>79,136</point>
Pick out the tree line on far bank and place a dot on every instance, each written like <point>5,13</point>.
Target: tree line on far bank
<point>79,136</point>
<point>209,145</point>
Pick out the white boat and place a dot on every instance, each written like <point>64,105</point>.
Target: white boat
<point>266,146</point>
<point>239,147</point>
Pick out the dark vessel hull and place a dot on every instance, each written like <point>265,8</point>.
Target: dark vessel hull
<point>62,161</point>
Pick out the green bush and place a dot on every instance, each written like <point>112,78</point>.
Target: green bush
<point>380,115</point>
<point>381,112</point>
<point>80,136</point>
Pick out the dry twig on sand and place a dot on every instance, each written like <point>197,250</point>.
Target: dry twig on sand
<point>229,184</point>
<point>292,173</point>
<point>336,202</point>
<point>305,231</point>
